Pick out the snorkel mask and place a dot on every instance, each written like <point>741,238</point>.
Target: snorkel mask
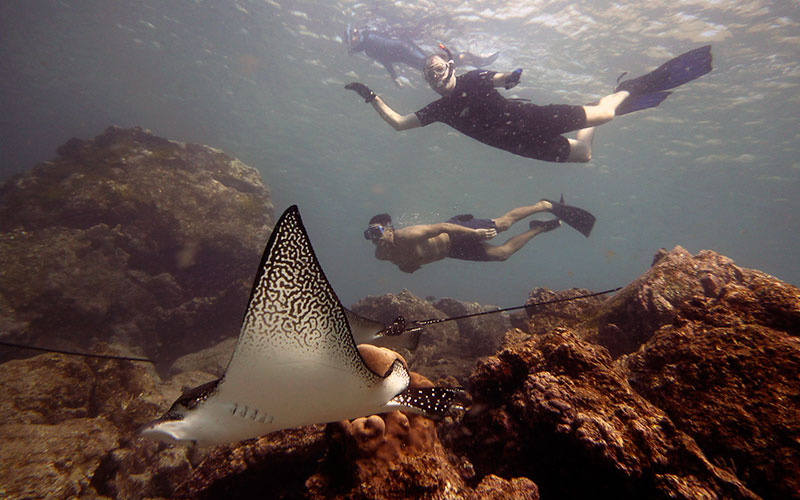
<point>353,39</point>
<point>374,232</point>
<point>438,75</point>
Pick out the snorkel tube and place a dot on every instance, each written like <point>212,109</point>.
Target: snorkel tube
<point>346,38</point>
<point>450,65</point>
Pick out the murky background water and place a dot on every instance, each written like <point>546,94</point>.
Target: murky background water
<point>716,166</point>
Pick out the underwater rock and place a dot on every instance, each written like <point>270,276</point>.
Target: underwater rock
<point>544,318</point>
<point>447,349</point>
<point>556,404</point>
<point>53,461</point>
<point>678,283</point>
<point>69,428</point>
<point>393,455</point>
<point>131,238</point>
<point>480,335</point>
<point>736,391</point>
<point>213,359</point>
<point>727,371</point>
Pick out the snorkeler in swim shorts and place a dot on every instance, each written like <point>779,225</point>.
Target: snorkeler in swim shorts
<point>464,237</point>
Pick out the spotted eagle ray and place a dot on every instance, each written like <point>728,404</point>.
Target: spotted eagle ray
<point>296,361</point>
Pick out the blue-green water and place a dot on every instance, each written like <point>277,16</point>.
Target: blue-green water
<point>716,166</point>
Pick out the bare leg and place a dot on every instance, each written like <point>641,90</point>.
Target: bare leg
<point>507,249</point>
<point>580,148</point>
<point>604,110</point>
<point>504,222</point>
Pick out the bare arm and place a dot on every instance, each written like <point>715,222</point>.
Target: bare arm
<point>425,231</point>
<point>390,116</point>
<point>393,118</point>
<point>507,80</point>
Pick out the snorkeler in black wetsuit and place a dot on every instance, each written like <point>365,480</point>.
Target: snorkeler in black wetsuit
<point>388,50</point>
<point>471,105</point>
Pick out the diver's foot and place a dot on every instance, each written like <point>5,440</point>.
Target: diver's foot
<point>545,225</point>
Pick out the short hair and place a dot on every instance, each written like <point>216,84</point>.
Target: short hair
<point>382,219</point>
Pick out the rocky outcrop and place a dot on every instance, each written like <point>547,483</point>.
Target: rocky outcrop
<point>394,455</point>
<point>680,286</point>
<point>69,429</point>
<point>550,309</point>
<point>556,406</point>
<point>724,364</point>
<point>448,349</point>
<point>131,238</point>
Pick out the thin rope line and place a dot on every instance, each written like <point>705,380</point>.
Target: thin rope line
<point>74,353</point>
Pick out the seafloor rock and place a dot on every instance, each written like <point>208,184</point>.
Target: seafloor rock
<point>556,406</point>
<point>479,335</point>
<point>549,309</point>
<point>131,238</point>
<point>53,461</point>
<point>736,390</point>
<point>679,283</point>
<point>69,429</point>
<point>448,349</point>
<point>727,370</point>
<point>394,455</point>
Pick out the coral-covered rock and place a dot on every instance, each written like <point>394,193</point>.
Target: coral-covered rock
<point>557,404</point>
<point>213,359</point>
<point>130,238</point>
<point>736,390</point>
<point>397,455</point>
<point>549,309</point>
<point>677,280</point>
<point>69,428</point>
<point>479,335</point>
<point>448,349</point>
<point>279,463</point>
<point>53,461</point>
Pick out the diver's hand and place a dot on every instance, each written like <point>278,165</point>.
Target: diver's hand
<point>486,234</point>
<point>513,78</point>
<point>362,90</point>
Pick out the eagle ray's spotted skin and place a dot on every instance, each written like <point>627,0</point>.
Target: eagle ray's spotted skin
<point>296,361</point>
<point>277,323</point>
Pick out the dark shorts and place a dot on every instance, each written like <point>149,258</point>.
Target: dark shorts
<point>467,247</point>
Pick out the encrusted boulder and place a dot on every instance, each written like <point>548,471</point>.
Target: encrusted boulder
<point>448,349</point>
<point>69,429</point>
<point>726,369</point>
<point>679,283</point>
<point>133,239</point>
<point>478,335</point>
<point>550,309</point>
<point>556,406</point>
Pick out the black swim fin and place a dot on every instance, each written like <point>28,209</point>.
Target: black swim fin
<point>576,217</point>
<point>647,91</point>
<point>640,102</point>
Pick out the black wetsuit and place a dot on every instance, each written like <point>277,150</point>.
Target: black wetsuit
<point>466,247</point>
<point>476,109</point>
<point>388,50</point>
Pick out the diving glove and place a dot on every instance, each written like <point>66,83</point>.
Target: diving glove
<point>513,78</point>
<point>362,90</point>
